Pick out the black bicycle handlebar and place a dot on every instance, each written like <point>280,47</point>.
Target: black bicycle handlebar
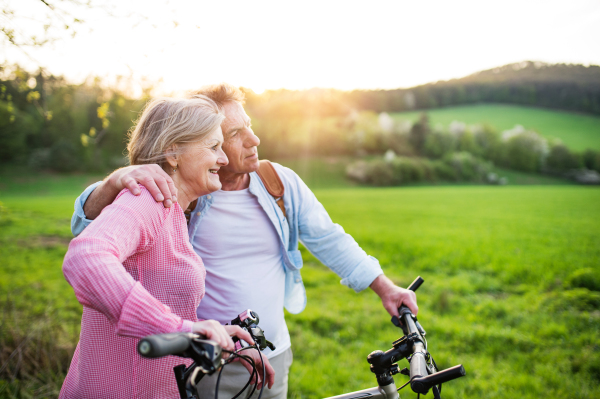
<point>421,381</point>
<point>416,284</point>
<point>165,344</point>
<point>423,384</point>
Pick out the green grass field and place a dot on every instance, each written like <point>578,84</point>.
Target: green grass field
<point>512,286</point>
<point>577,131</point>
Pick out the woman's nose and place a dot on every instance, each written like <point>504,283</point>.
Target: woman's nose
<point>222,160</point>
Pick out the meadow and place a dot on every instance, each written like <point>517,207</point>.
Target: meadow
<point>578,131</point>
<point>512,287</point>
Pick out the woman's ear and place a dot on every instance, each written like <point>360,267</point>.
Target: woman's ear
<point>171,156</point>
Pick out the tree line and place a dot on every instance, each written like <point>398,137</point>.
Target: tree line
<point>459,152</point>
<point>49,123</point>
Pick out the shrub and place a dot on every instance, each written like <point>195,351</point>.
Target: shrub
<point>584,278</point>
<point>443,171</point>
<point>410,170</point>
<point>461,166</point>
<point>468,167</point>
<point>560,159</point>
<point>591,160</point>
<point>523,150</point>
<point>438,144</point>
<point>64,156</point>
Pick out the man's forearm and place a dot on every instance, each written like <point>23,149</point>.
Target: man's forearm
<point>382,285</point>
<point>151,176</point>
<point>99,199</point>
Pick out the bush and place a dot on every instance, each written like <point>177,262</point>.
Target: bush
<point>584,278</point>
<point>560,159</point>
<point>64,157</point>
<point>591,160</point>
<point>444,171</point>
<point>468,167</point>
<point>410,170</point>
<point>523,150</point>
<point>461,166</point>
<point>438,144</point>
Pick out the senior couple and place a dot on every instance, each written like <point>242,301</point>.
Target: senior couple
<point>139,270</point>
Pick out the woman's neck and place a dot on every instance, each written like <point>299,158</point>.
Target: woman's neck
<point>184,197</point>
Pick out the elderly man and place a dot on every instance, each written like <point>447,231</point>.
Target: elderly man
<point>249,247</point>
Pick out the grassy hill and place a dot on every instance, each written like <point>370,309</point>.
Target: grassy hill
<point>577,131</point>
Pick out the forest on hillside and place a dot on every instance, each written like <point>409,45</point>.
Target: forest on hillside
<point>47,122</point>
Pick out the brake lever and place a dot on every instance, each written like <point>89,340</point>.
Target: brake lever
<point>248,320</point>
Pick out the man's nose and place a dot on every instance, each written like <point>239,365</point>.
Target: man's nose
<point>253,140</point>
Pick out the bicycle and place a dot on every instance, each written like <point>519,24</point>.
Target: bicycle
<point>412,346</point>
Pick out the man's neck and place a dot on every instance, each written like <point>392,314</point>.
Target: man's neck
<point>234,181</point>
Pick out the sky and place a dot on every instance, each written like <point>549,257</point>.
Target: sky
<point>179,45</point>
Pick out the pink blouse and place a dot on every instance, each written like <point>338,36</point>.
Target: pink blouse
<point>135,273</point>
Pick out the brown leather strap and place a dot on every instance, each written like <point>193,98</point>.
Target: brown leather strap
<point>267,173</point>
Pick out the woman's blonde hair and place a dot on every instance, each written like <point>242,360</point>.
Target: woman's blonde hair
<point>165,122</point>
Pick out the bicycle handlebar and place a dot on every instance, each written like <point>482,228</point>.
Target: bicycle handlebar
<point>423,384</point>
<point>416,284</point>
<point>421,380</point>
<point>165,344</point>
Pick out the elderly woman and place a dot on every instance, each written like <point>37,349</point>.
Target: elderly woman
<point>134,270</point>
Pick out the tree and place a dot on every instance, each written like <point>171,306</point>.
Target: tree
<point>419,132</point>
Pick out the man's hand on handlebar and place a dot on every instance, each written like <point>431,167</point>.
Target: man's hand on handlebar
<point>393,296</point>
<point>212,330</point>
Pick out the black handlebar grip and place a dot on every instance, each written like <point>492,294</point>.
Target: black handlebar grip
<point>445,375</point>
<point>424,383</point>
<point>165,344</point>
<point>416,284</point>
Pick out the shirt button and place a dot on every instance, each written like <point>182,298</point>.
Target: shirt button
<point>297,280</point>
<point>209,196</point>
<point>198,213</point>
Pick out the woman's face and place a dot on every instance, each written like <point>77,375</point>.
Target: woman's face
<point>199,164</point>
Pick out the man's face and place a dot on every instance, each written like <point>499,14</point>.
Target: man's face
<point>240,141</point>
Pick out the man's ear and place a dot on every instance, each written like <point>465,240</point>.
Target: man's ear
<point>171,156</point>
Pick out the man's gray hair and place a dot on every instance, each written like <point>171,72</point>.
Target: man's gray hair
<point>221,93</point>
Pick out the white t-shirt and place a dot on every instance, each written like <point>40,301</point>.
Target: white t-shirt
<point>241,252</point>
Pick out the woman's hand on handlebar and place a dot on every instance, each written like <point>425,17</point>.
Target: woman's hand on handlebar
<point>270,378</point>
<point>213,330</point>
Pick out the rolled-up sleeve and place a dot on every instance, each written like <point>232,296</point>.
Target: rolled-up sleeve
<point>94,267</point>
<point>329,243</point>
<point>78,221</point>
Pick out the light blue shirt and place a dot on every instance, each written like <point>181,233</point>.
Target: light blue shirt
<point>307,221</point>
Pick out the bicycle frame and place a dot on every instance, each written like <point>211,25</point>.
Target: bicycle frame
<point>386,392</point>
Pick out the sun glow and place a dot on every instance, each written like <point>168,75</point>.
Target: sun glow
<point>181,45</point>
